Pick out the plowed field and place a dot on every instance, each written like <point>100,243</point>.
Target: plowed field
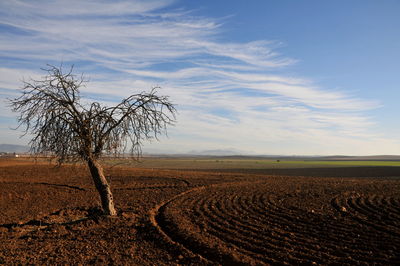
<point>49,215</point>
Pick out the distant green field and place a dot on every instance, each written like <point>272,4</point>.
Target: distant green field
<point>245,163</point>
<point>226,163</point>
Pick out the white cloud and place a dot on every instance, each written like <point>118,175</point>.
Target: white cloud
<point>87,8</point>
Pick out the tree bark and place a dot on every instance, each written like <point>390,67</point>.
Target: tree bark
<point>102,186</point>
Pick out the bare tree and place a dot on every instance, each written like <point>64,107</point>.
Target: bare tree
<point>52,111</point>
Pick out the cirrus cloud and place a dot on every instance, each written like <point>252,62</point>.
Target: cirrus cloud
<point>227,93</point>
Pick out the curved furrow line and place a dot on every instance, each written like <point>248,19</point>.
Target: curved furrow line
<point>218,218</point>
<point>270,216</point>
<point>342,207</point>
<point>243,226</point>
<point>290,239</point>
<point>275,218</point>
<point>395,202</point>
<point>281,217</point>
<point>357,210</point>
<point>332,230</point>
<point>219,231</point>
<point>266,224</point>
<point>353,212</point>
<point>302,242</point>
<point>286,241</point>
<point>262,251</point>
<point>385,203</point>
<point>335,236</point>
<point>393,210</point>
<point>383,212</point>
<point>266,254</point>
<point>384,215</point>
<point>369,209</point>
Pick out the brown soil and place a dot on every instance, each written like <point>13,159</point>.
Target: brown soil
<point>50,215</point>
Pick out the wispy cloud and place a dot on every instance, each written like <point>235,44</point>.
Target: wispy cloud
<point>228,94</point>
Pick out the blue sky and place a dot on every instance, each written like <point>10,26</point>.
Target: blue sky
<point>257,77</point>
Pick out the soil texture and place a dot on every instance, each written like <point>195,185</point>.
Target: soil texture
<point>50,215</point>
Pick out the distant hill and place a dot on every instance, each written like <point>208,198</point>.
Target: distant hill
<point>221,152</point>
<point>13,148</point>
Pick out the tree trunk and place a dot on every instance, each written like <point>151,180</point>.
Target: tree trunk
<point>102,186</point>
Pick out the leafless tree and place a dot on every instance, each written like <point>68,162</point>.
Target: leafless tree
<point>51,111</point>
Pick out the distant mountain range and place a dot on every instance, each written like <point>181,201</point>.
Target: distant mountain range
<point>13,148</point>
<point>219,152</point>
<point>222,152</point>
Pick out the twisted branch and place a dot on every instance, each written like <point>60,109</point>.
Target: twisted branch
<point>51,111</point>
